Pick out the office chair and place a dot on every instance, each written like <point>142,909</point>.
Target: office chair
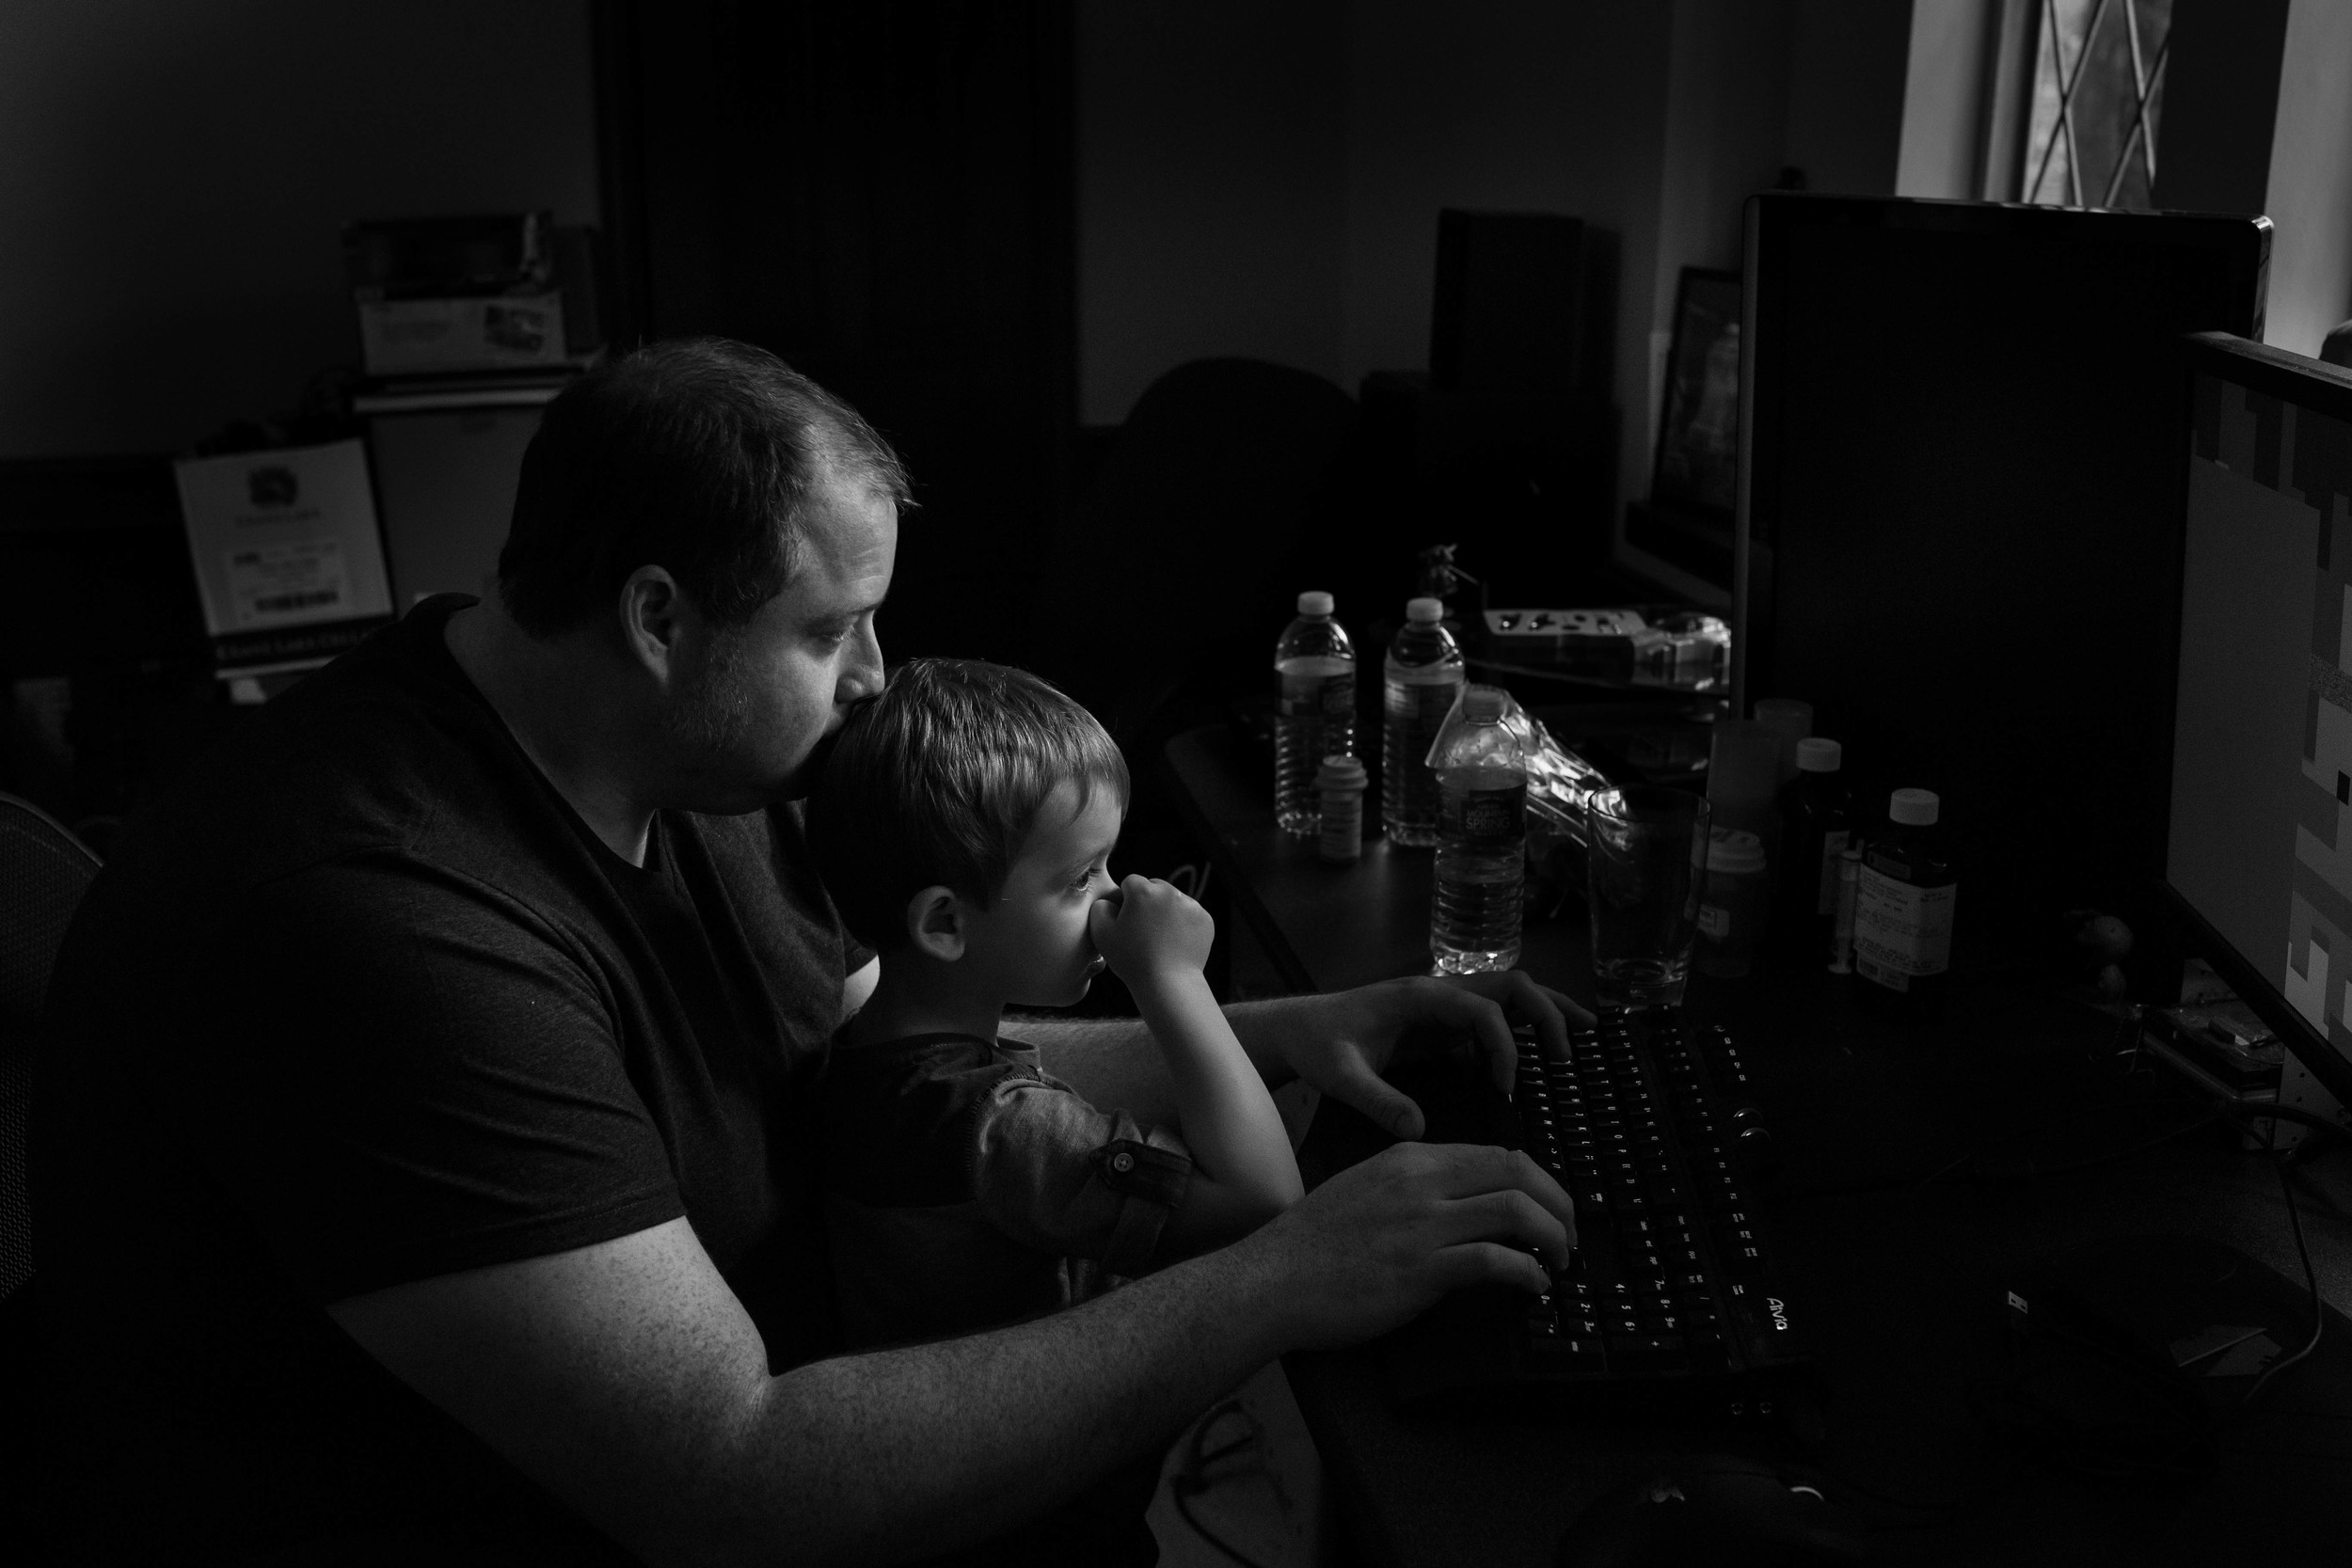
<point>44,871</point>
<point>1217,494</point>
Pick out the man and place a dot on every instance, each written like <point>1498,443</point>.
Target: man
<point>424,1172</point>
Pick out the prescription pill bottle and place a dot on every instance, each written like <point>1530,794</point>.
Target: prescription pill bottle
<point>1904,896</point>
<point>1732,908</point>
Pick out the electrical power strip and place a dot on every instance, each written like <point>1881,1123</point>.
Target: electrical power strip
<point>1554,628</point>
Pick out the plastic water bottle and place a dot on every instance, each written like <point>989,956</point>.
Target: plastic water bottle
<point>1482,838</point>
<point>1317,714</point>
<point>1421,678</point>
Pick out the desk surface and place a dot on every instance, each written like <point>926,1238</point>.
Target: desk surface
<point>1899,1287</point>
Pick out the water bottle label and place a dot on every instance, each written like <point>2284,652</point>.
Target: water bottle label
<point>1425,704</point>
<point>1901,929</point>
<point>1495,814</point>
<point>1328,698</point>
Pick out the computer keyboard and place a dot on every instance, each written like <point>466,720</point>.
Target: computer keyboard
<point>1670,1295</point>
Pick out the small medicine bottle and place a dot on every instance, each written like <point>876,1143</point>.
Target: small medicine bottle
<point>1731,913</point>
<point>1340,785</point>
<point>1815,814</point>
<point>1903,899</point>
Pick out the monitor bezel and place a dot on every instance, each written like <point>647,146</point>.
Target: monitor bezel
<point>2326,389</point>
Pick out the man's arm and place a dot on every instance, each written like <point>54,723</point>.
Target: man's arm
<point>1339,1042</point>
<point>627,1379</point>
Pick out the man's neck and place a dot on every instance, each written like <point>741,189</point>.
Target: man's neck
<point>558,700</point>
<point>919,995</point>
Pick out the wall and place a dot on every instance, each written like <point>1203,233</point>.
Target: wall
<point>1503,106</point>
<point>1847,63</point>
<point>2310,186</point>
<point>1954,54</point>
<point>174,174</point>
<point>1210,135</point>
<point>1211,184</point>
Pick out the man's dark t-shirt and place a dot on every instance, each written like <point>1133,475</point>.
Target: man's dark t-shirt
<point>363,1002</point>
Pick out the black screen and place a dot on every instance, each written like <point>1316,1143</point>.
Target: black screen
<point>1962,512</point>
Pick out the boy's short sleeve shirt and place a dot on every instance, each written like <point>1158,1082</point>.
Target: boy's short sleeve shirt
<point>966,1187</point>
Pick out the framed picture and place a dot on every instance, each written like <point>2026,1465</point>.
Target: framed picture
<point>1698,430</point>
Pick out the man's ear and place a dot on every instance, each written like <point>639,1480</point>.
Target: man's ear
<point>935,923</point>
<point>652,612</point>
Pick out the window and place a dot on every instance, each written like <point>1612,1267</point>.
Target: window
<point>2097,94</point>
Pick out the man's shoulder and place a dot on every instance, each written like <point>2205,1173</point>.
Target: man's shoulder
<point>383,749</point>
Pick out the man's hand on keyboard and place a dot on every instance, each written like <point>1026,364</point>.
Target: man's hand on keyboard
<point>1380,1242</point>
<point>1343,1042</point>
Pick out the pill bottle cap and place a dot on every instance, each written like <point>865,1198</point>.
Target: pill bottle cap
<point>1482,702</point>
<point>1314,602</point>
<point>1819,755</point>
<point>1341,773</point>
<point>1914,808</point>
<point>1423,612</point>
<point>1734,851</point>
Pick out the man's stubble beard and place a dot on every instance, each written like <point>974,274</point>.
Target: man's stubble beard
<point>714,712</point>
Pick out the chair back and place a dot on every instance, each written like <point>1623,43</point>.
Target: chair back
<point>44,870</point>
<point>1191,534</point>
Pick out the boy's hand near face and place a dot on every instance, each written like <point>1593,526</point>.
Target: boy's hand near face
<point>1150,928</point>
<point>1243,1173</point>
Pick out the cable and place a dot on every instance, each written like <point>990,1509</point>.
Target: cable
<point>2311,1282</point>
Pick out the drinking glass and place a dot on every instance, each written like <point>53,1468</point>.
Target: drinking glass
<point>1647,869</point>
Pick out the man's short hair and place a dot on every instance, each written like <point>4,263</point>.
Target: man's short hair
<point>698,454</point>
<point>937,782</point>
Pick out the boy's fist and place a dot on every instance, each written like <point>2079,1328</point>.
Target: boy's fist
<point>1149,927</point>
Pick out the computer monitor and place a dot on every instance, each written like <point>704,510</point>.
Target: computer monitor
<point>2257,857</point>
<point>1959,511</point>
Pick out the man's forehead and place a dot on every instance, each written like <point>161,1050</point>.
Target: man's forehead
<point>847,545</point>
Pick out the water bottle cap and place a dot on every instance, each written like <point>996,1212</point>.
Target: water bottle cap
<point>1423,611</point>
<point>1314,602</point>
<point>1819,754</point>
<point>1342,772</point>
<point>1734,851</point>
<point>1482,702</point>
<point>1914,808</point>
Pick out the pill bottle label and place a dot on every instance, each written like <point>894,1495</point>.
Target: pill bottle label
<point>1833,845</point>
<point>1900,932</point>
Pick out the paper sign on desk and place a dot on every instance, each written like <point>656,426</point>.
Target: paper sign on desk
<point>289,562</point>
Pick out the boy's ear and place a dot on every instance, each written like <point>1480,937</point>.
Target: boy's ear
<point>935,919</point>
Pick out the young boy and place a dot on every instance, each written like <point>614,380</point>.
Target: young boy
<point>964,826</point>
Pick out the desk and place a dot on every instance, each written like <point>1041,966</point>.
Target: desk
<point>1899,1287</point>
